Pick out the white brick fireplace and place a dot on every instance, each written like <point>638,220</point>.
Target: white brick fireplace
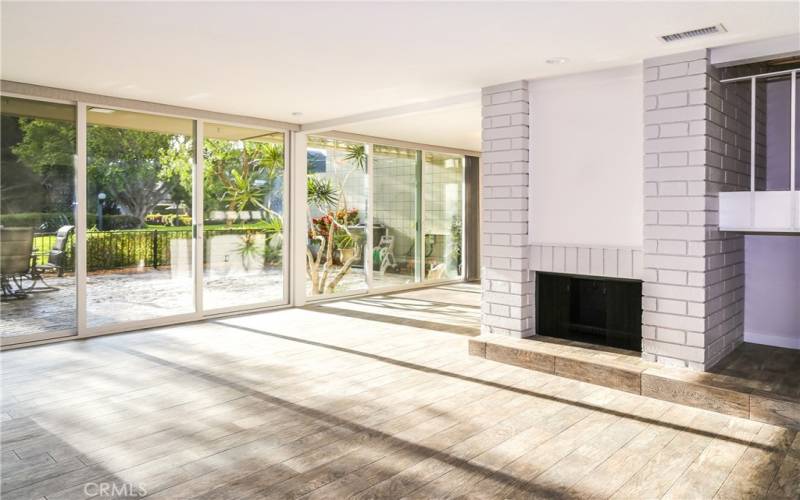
<point>692,145</point>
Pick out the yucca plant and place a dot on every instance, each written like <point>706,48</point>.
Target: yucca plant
<point>247,249</point>
<point>357,155</point>
<point>321,193</point>
<point>273,228</point>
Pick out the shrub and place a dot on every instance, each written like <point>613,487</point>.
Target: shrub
<point>51,221</point>
<point>37,220</point>
<point>154,219</point>
<point>169,220</point>
<point>116,249</point>
<point>124,249</point>
<point>114,222</point>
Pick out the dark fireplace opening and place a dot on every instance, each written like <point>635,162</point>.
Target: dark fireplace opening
<point>601,311</point>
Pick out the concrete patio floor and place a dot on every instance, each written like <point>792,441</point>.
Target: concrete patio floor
<point>117,297</point>
<point>365,398</point>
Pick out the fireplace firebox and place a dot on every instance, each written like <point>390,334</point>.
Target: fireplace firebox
<point>601,311</point>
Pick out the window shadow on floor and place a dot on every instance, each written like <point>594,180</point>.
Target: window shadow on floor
<point>471,331</point>
<point>424,452</point>
<point>497,385</point>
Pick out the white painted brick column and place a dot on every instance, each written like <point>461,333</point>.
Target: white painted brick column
<point>693,286</point>
<point>507,299</point>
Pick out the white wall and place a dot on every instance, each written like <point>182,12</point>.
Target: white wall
<point>586,158</point>
<point>772,290</point>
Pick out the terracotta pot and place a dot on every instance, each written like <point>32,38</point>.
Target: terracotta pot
<point>347,254</point>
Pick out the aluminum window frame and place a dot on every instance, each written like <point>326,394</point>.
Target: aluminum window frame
<point>199,119</point>
<point>420,281</point>
<point>753,79</point>
<point>294,180</point>
<point>72,333</point>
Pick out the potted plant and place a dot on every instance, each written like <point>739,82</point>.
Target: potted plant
<point>347,243</point>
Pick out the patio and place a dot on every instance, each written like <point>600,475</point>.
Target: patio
<point>125,296</point>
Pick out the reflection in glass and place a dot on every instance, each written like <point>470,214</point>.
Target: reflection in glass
<point>37,237</point>
<point>395,182</point>
<point>139,242</point>
<point>337,191</point>
<point>243,212</point>
<point>442,195</point>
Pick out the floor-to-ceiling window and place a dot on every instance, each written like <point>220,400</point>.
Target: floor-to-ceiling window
<point>442,202</point>
<point>395,181</point>
<point>139,245</point>
<point>37,238</point>
<point>416,219</point>
<point>166,242</point>
<point>243,216</point>
<point>337,194</point>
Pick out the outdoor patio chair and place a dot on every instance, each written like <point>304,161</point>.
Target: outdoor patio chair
<point>16,246</point>
<point>57,254</point>
<point>437,272</point>
<point>411,256</point>
<point>385,251</point>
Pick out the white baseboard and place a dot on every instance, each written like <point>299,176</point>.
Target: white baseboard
<point>773,340</point>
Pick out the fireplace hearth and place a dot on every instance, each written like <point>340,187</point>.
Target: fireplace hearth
<point>601,311</point>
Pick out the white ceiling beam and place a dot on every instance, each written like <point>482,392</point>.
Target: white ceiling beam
<point>406,109</point>
<point>756,51</point>
<point>383,141</point>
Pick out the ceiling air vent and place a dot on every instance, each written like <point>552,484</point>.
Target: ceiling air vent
<point>685,35</point>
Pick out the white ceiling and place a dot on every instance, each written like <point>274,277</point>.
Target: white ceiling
<point>329,60</point>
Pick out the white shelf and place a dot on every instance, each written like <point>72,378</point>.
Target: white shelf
<point>760,211</point>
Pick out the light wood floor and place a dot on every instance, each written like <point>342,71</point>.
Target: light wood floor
<point>331,402</point>
<point>772,369</point>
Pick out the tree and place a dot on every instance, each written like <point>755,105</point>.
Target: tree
<point>328,196</point>
<point>137,169</point>
<point>133,166</point>
<point>242,175</point>
<point>43,183</point>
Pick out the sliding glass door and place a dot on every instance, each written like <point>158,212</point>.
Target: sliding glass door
<point>442,216</point>
<point>163,241</point>
<point>243,217</point>
<point>143,231</point>
<point>182,218</point>
<point>37,220</point>
<point>412,202</point>
<point>337,194</point>
<point>139,244</point>
<point>396,183</point>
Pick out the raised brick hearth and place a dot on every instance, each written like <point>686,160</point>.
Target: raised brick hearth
<point>736,391</point>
